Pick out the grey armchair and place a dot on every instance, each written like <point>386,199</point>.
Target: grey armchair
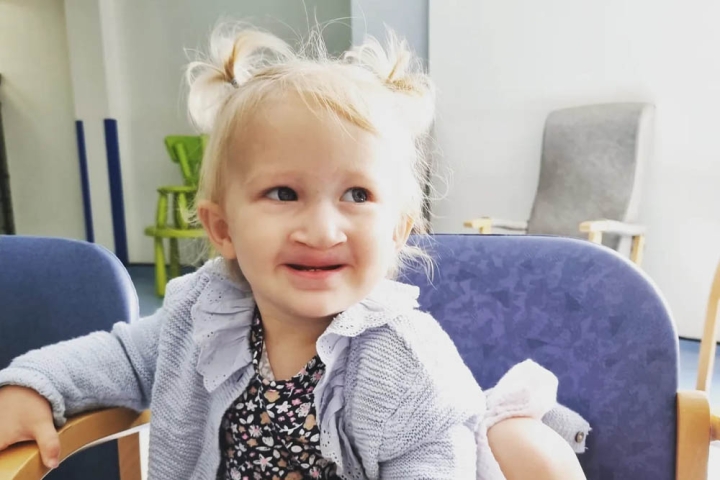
<point>592,163</point>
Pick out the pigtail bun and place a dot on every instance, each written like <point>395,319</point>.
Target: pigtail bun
<point>401,72</point>
<point>235,55</point>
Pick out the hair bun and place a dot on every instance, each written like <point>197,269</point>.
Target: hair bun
<point>401,71</point>
<point>236,53</point>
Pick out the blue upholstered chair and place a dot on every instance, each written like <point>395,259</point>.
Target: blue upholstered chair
<point>592,318</point>
<point>52,290</point>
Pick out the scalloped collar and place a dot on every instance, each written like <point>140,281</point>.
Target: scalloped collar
<point>222,318</point>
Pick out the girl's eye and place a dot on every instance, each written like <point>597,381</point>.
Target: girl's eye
<point>282,194</point>
<point>356,194</point>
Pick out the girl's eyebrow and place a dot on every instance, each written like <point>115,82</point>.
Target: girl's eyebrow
<point>277,176</point>
<point>265,175</point>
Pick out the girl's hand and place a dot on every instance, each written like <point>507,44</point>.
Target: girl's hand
<point>26,415</point>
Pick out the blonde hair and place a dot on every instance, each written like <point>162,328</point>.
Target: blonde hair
<point>381,90</point>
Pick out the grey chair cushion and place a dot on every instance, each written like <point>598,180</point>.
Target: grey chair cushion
<point>591,166</point>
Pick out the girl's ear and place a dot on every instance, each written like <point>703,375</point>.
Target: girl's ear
<point>402,232</point>
<point>216,226</point>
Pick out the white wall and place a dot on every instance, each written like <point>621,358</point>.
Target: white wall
<point>90,87</point>
<point>37,109</point>
<point>144,56</point>
<point>408,19</point>
<point>502,66</point>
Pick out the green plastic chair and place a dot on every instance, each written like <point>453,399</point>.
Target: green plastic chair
<point>174,200</point>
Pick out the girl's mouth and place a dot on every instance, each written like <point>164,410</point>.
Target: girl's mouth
<point>309,268</point>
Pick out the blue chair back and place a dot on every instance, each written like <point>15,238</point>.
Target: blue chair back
<point>584,313</point>
<point>55,289</point>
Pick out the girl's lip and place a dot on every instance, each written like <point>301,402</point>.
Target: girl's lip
<point>314,266</point>
<point>318,273</point>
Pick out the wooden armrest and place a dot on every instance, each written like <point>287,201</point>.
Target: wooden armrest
<point>693,435</point>
<point>22,461</point>
<point>596,228</point>
<point>612,226</point>
<point>485,224</point>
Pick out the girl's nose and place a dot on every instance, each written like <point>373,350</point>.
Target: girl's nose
<point>320,228</point>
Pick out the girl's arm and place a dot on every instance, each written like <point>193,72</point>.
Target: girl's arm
<point>527,449</point>
<point>433,439</point>
<point>102,369</point>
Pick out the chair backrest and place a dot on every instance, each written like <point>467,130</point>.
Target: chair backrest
<point>55,289</point>
<point>591,167</point>
<point>187,151</point>
<point>584,313</point>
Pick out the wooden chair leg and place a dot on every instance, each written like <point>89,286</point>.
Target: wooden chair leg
<point>174,258</point>
<point>129,457</point>
<point>693,435</point>
<point>638,248</point>
<point>483,225</point>
<point>595,237</point>
<point>709,338</point>
<point>160,269</point>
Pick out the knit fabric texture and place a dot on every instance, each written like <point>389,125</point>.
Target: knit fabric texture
<point>396,400</point>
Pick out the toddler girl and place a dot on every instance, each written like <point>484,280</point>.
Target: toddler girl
<point>293,354</point>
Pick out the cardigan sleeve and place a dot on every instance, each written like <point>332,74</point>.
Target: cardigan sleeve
<point>431,434</point>
<point>102,369</point>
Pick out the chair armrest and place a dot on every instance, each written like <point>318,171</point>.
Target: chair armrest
<point>693,435</point>
<point>485,224</point>
<point>596,228</point>
<point>612,226</point>
<point>22,461</point>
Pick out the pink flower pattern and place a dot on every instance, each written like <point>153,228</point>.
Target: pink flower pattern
<point>255,443</point>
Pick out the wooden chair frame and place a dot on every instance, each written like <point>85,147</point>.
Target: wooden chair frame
<point>22,461</point>
<point>708,343</point>
<point>594,228</point>
<point>696,429</point>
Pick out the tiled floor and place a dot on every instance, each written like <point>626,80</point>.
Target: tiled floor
<point>143,277</point>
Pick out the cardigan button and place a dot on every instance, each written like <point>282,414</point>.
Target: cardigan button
<point>579,437</point>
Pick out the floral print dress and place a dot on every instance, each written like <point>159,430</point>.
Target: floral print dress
<point>270,431</point>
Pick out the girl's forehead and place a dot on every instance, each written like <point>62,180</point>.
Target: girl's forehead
<point>290,117</point>
<point>291,136</point>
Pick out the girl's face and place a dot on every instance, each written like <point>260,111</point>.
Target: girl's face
<point>311,213</point>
